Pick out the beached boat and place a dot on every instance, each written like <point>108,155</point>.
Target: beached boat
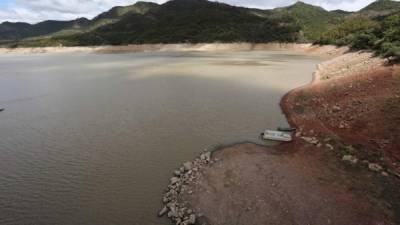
<point>276,135</point>
<point>286,129</point>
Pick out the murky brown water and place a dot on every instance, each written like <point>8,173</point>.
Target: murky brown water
<point>92,139</point>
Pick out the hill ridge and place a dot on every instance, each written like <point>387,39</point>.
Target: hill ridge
<point>172,22</point>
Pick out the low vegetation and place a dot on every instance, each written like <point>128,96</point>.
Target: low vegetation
<point>381,34</point>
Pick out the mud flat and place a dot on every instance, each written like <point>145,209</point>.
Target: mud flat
<point>342,167</point>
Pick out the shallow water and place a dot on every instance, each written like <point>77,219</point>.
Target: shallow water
<point>93,138</point>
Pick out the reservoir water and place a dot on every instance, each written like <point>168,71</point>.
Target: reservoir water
<point>93,138</point>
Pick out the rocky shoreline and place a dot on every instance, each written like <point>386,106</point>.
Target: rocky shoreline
<point>177,210</point>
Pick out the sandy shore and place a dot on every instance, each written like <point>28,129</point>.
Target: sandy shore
<point>341,168</point>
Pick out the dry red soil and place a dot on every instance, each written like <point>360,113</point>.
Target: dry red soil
<point>361,110</point>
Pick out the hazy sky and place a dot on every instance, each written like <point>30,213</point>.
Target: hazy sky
<point>37,10</point>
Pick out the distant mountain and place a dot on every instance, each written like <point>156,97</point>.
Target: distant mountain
<point>117,13</point>
<point>313,19</point>
<point>382,5</point>
<point>380,8</point>
<point>191,21</point>
<point>16,31</point>
<point>12,31</point>
<point>109,17</point>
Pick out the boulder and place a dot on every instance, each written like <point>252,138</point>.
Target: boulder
<point>165,200</point>
<point>177,172</point>
<point>350,158</point>
<point>311,140</point>
<point>336,108</point>
<point>187,166</point>
<point>174,180</point>
<point>192,219</point>
<point>173,212</point>
<point>208,156</point>
<point>163,211</point>
<point>329,146</point>
<point>375,167</point>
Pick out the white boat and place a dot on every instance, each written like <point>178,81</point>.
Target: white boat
<point>276,135</point>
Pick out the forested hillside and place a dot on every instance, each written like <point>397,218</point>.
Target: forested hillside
<point>381,34</point>
<point>193,21</point>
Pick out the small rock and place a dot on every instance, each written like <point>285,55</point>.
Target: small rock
<point>314,141</point>
<point>192,219</point>
<point>177,172</point>
<point>350,158</point>
<point>311,140</point>
<point>165,200</point>
<point>329,146</point>
<point>173,212</point>
<point>347,157</point>
<point>327,139</point>
<point>208,156</point>
<point>375,167</point>
<point>174,180</point>
<point>336,108</point>
<point>163,211</point>
<point>187,166</point>
<point>384,174</point>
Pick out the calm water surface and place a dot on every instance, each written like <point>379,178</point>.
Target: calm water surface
<point>93,139</point>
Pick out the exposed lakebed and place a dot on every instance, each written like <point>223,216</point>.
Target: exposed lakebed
<point>93,138</point>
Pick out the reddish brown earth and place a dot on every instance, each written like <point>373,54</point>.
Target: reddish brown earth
<point>350,111</point>
<point>360,109</point>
